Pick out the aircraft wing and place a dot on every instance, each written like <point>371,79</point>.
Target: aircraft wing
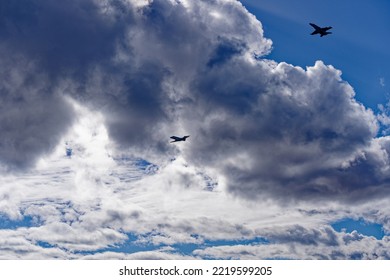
<point>175,138</point>
<point>315,26</point>
<point>327,28</point>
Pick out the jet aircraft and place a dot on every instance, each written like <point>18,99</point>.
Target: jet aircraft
<point>177,139</point>
<point>320,30</point>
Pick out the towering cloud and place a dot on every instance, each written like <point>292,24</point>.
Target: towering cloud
<point>44,44</point>
<point>281,130</point>
<point>156,67</point>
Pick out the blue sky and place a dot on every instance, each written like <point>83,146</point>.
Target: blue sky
<point>361,226</point>
<point>285,159</point>
<point>358,45</point>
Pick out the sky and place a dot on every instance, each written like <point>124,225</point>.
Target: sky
<point>288,154</point>
<point>357,46</point>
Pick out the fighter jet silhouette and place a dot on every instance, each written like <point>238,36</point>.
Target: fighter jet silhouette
<point>177,139</point>
<point>320,30</point>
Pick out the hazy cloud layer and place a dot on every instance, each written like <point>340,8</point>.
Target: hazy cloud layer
<point>114,79</point>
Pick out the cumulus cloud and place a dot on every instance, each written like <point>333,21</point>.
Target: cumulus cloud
<point>315,244</point>
<point>96,52</point>
<point>114,79</point>
<point>33,115</point>
<point>273,130</point>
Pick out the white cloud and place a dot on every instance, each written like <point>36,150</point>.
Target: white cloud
<point>382,82</point>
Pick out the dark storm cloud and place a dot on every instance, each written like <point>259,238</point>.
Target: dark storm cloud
<point>62,37</point>
<point>43,42</point>
<point>47,51</point>
<point>282,131</point>
<point>162,48</point>
<point>304,236</point>
<point>32,115</point>
<point>134,116</point>
<point>223,52</point>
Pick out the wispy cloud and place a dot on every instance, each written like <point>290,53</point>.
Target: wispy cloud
<point>382,82</point>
